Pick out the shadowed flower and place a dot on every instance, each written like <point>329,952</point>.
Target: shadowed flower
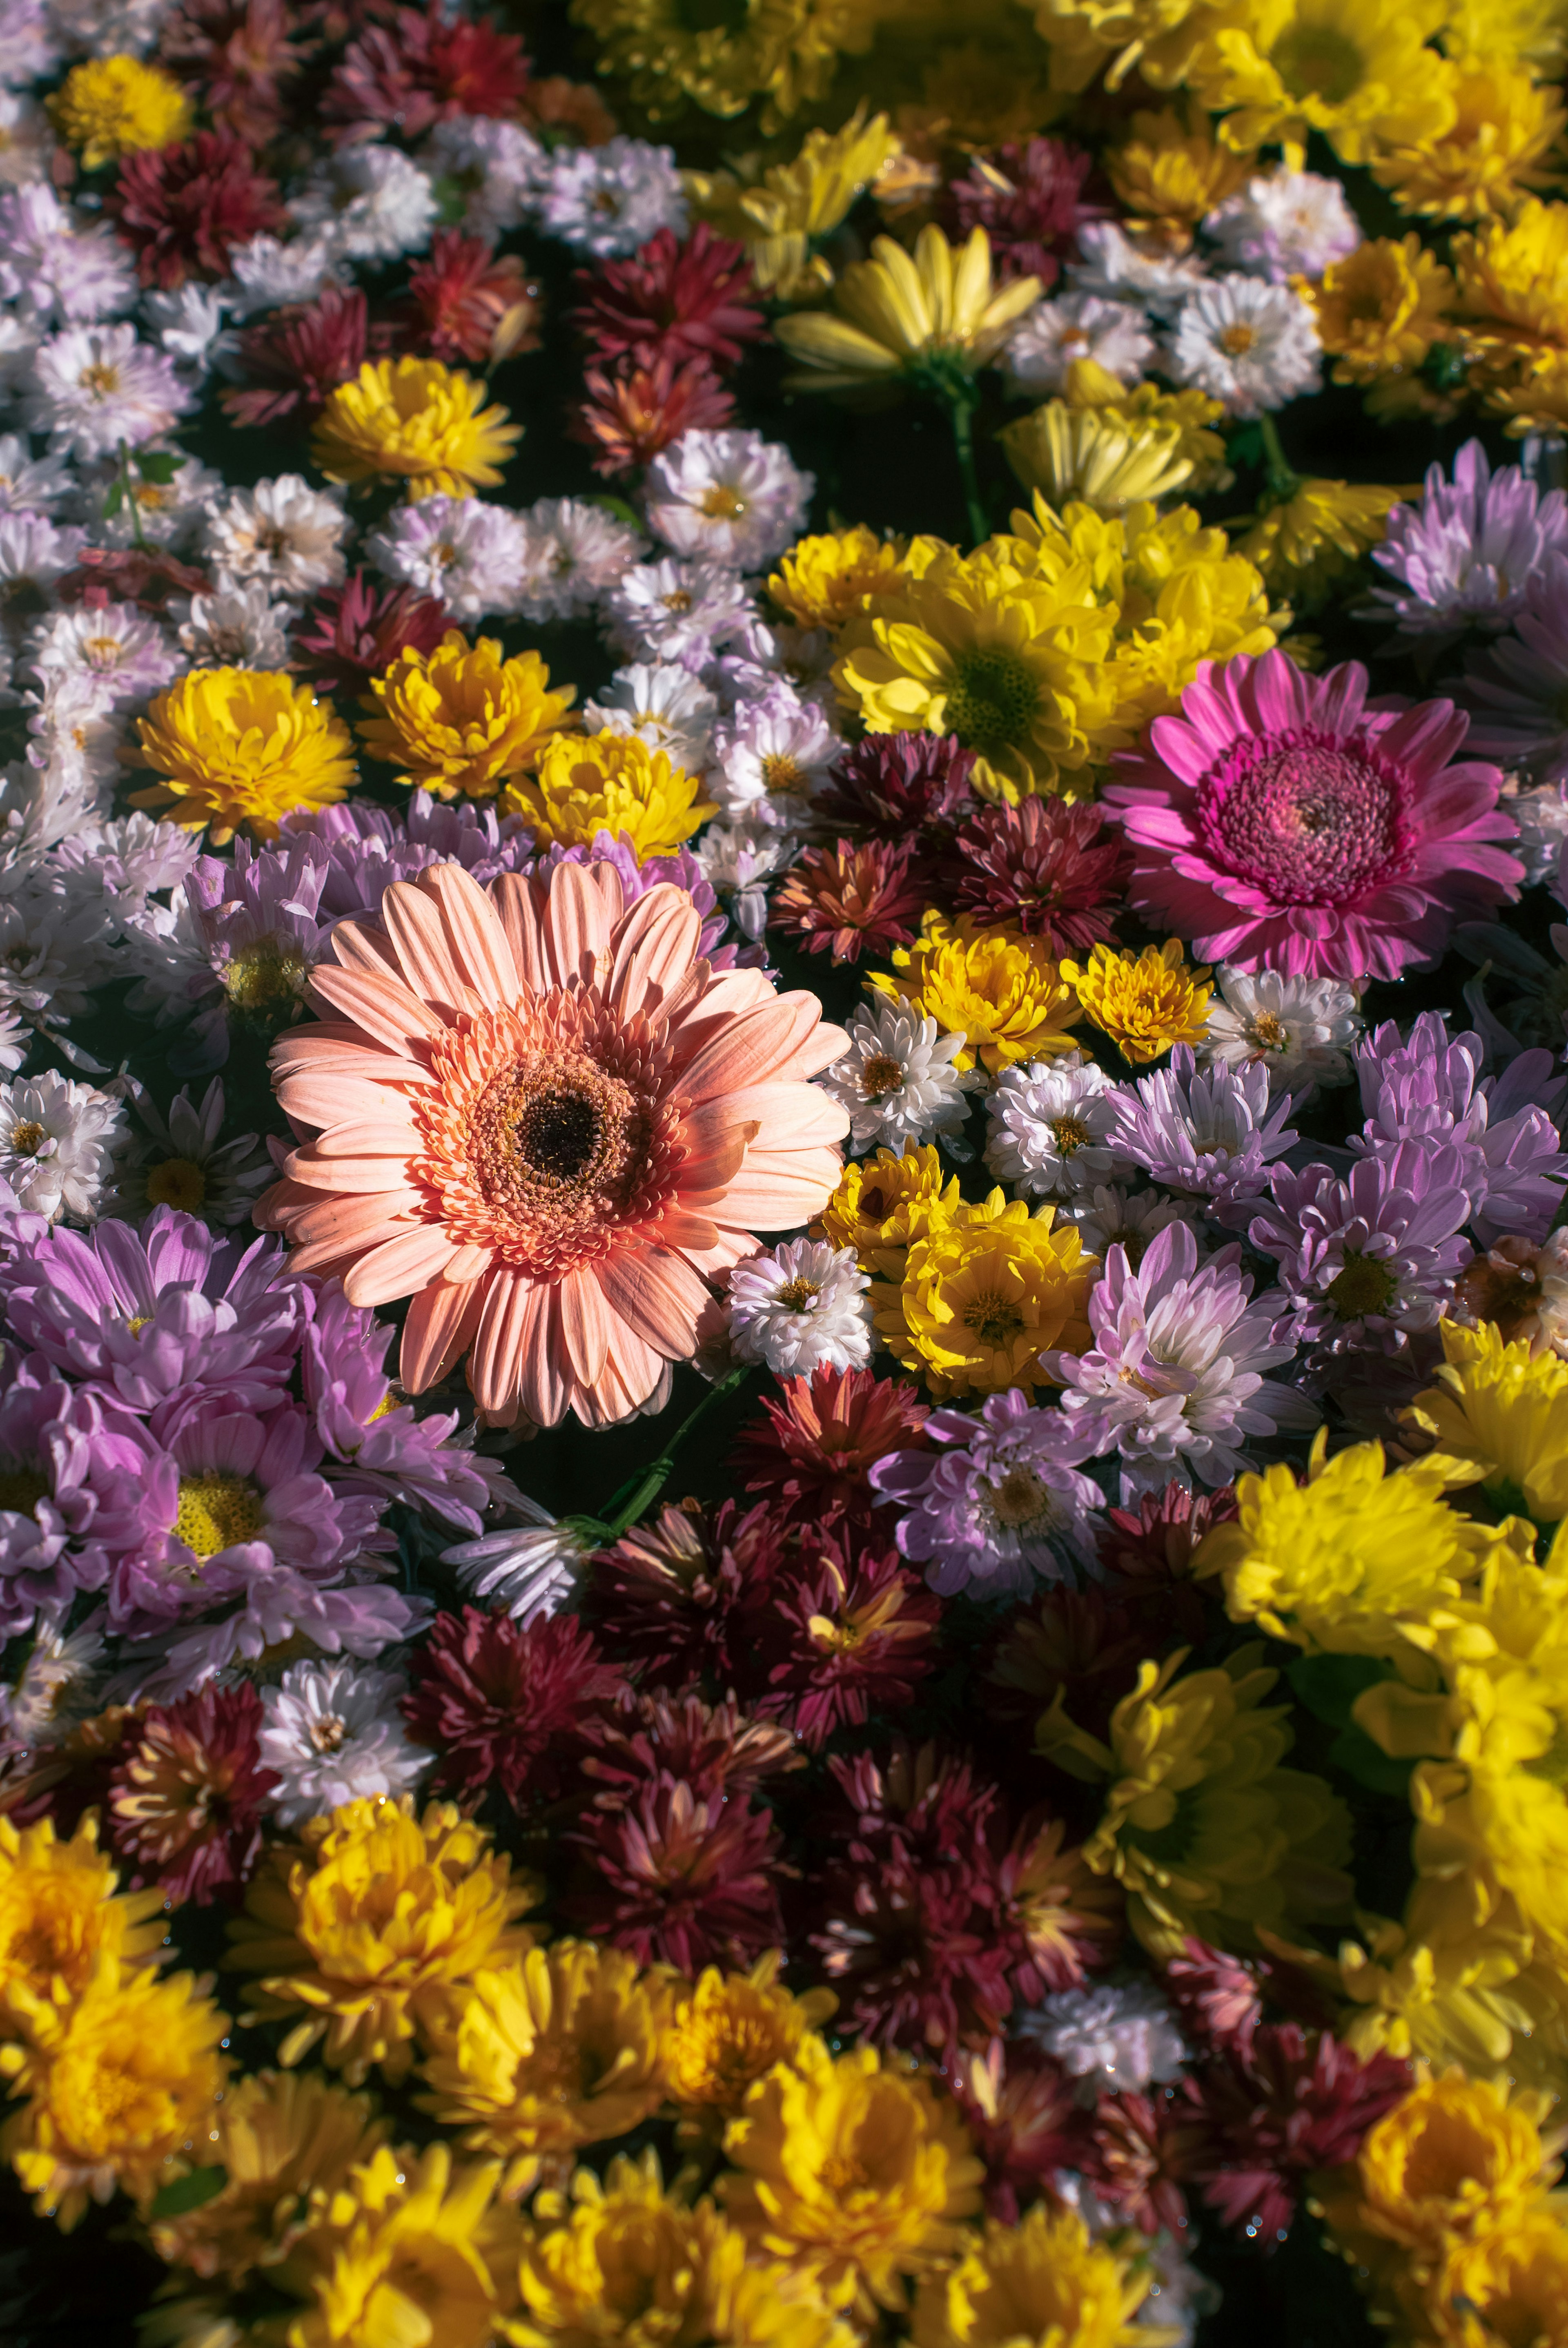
<point>681,1878</point>
<point>295,356</point>
<point>186,1799</point>
<point>811,1450</point>
<point>465,302</point>
<point>420,67</point>
<point>899,783</point>
<point>183,209</point>
<point>630,412</point>
<point>1030,200</point>
<point>508,1706</point>
<point>897,314</point>
<point>729,2030</point>
<point>675,298</point>
<point>849,1632</point>
<point>354,634</point>
<point>674,1597</point>
<point>1293,2103</point>
<point>1053,869</point>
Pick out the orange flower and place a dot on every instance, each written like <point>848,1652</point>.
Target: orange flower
<point>547,1120</point>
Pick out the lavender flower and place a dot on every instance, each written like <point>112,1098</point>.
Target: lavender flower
<point>1285,224</point>
<point>1209,1132</point>
<point>359,850</point>
<point>56,267</point>
<point>675,611</point>
<point>727,496</point>
<point>94,387</point>
<point>1516,689</point>
<point>1367,1261</point>
<point>244,960</point>
<point>1509,1149</point>
<point>1465,556</point>
<point>1001,1507</point>
<point>467,554</point>
<point>336,1734</point>
<point>45,1502</point>
<point>355,1616</point>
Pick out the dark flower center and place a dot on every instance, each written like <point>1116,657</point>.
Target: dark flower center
<point>1366,1285</point>
<point>1315,61</point>
<point>21,1490</point>
<point>993,701</point>
<point>558,1133</point>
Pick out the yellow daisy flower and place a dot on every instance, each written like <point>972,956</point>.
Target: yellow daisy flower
<point>1041,2280</point>
<point>59,1916</point>
<point>1529,33</point>
<point>608,782</point>
<point>1308,539</point>
<point>986,1295</point>
<point>464,719</point>
<point>777,212</point>
<point>728,2031</point>
<point>242,746</point>
<point>1088,453</point>
<point>1156,40</point>
<point>1499,1417</point>
<point>1505,130</point>
<point>117,106</point>
<point>1146,1003</point>
<point>415,2251</point>
<point>1170,174</point>
<point>883,1204</point>
<point>1513,300</point>
<point>821,582</point>
<point>1454,2154</point>
<point>417,420</point>
<point>997,988</point>
<point>895,315</point>
<point>1355,71</point>
<point>1380,309</point>
<point>721,59</point>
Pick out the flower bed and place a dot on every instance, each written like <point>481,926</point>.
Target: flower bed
<point>783,1420</point>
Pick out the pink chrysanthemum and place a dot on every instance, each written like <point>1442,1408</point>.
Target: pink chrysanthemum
<point>679,1881</point>
<point>631,412</point>
<point>1282,819</point>
<point>547,1120</point>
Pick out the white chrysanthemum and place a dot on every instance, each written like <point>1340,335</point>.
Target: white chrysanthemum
<point>16,1039</point>
<point>130,857</point>
<point>52,951</point>
<point>1301,1029</point>
<point>1050,1127</point>
<point>128,654</point>
<point>183,1161</point>
<point>1109,1216</point>
<point>29,484</point>
<point>675,611</point>
<point>238,627</point>
<point>56,1142</point>
<point>1121,270</point>
<point>529,1571</point>
<point>739,862</point>
<point>727,496</point>
<point>1047,341</point>
<point>1111,2038</point>
<point>57,267</point>
<point>1252,345</point>
<point>609,199</point>
<point>163,951</point>
<point>499,166</point>
<point>1285,224</point>
<point>1541,815</point>
<point>333,1733</point>
<point>188,325</point>
<point>898,1081</point>
<point>371,202</point>
<point>106,28</point>
<point>76,731</point>
<point>772,757</point>
<point>573,551</point>
<point>284,532</point>
<point>54,1687</point>
<point>265,273</point>
<point>26,139</point>
<point>665,705</point>
<point>155,513</point>
<point>804,658</point>
<point>799,1308</point>
<point>466,553</point>
<point>26,48</point>
<point>97,385</point>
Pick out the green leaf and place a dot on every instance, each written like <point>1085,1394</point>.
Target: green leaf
<point>1246,446</point>
<point>114,500</point>
<point>1354,1752</point>
<point>160,466</point>
<point>192,2191</point>
<point>618,507</point>
<point>1328,1686</point>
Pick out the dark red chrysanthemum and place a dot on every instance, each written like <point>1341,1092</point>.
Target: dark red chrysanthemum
<point>677,1600</point>
<point>146,576</point>
<point>1030,200</point>
<point>901,785</point>
<point>1299,2101</point>
<point>1147,1552</point>
<point>675,299</point>
<point>421,69</point>
<point>1139,2150</point>
<point>65,1780</point>
<point>506,1705</point>
<point>355,631</point>
<point>235,57</point>
<point>1023,2117</point>
<point>464,303</point>
<point>853,899</point>
<point>1052,869</point>
<point>183,209</point>
<point>1078,1643</point>
<point>679,1881</point>
<point>631,412</point>
<point>713,1749</point>
<point>850,1631</point>
<point>1216,1995</point>
<point>1064,1919</point>
<point>813,1448</point>
<point>299,355</point>
<point>185,1801</point>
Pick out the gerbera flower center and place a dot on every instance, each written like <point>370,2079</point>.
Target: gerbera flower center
<point>26,1136</point>
<point>722,502</point>
<point>21,1490</point>
<point>217,1511</point>
<point>1307,817</point>
<point>177,1183</point>
<point>798,1296</point>
<point>993,700</point>
<point>272,971</point>
<point>781,772</point>
<point>1315,61</point>
<point>1070,1134</point>
<point>1366,1285</point>
<point>881,1074</point>
<point>995,1320</point>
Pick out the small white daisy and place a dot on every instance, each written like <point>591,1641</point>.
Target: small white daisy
<point>188,325</point>
<point>466,553</point>
<point>1050,1126</point>
<point>1285,224</point>
<point>675,611</point>
<point>1045,343</point>
<point>52,951</point>
<point>74,726</point>
<point>898,1081</point>
<point>284,532</point>
<point>237,627</point>
<point>665,705</point>
<point>157,514</point>
<point>56,1141</point>
<point>1252,345</point>
<point>371,202</point>
<point>799,1308</point>
<point>1121,270</point>
<point>29,484</point>
<point>609,199</point>
<point>1112,2038</point>
<point>131,856</point>
<point>499,166</point>
<point>57,267</point>
<point>130,654</point>
<point>94,387</point>
<point>34,553</point>
<point>573,552</point>
<point>772,757</point>
<point>727,496</point>
<point>529,1570</point>
<point>264,273</point>
<point>333,1733</point>
<point>1302,1029</point>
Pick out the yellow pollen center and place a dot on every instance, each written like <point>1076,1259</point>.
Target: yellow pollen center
<point>103,379</point>
<point>1268,1030</point>
<point>781,773</point>
<point>102,652</point>
<point>328,1733</point>
<point>1020,1497</point>
<point>1071,1133</point>
<point>799,1295</point>
<point>177,1183</point>
<point>266,973</point>
<point>678,601</point>
<point>722,503</point>
<point>881,1074</point>
<point>995,1320</point>
<point>26,1136</point>
<point>216,1512</point>
<point>1237,339</point>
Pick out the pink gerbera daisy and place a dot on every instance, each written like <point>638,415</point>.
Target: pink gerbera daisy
<point>1282,819</point>
<point>547,1120</point>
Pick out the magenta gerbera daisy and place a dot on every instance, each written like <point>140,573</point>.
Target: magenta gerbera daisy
<point>1284,820</point>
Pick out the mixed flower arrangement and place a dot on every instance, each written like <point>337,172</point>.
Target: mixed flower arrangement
<point>783,1283</point>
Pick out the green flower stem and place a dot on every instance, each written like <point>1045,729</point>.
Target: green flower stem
<point>1283,478</point>
<point>961,400</point>
<point>639,1493</point>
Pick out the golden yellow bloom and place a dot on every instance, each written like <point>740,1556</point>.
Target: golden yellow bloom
<point>1190,414</point>
<point>1039,2281</point>
<point>414,419</point>
<point>884,1203</point>
<point>1512,306</point>
<point>1380,309</point>
<point>1510,2280</point>
<point>1170,174</point>
<point>1145,1003</point>
<point>730,2030</point>
<point>1156,38</point>
<point>1445,1987</point>
<point>778,211</point>
<point>1513,33</point>
<point>1317,533</point>
<point>119,2084</point>
<point>464,719</point>
<point>853,2169</point>
<point>1456,2154</point>
<point>610,782</point>
<point>559,2049</point>
<point>1355,71</point>
<point>989,1291</point>
<point>1499,1417</point>
<point>821,580</point>
<point>242,746</point>
<point>370,1921</point>
<point>786,51</point>
<point>1499,145</point>
<point>1089,453</point>
<point>894,314</point>
<point>997,988</point>
<point>59,1916</point>
<point>116,105</point>
<point>1344,1561</point>
<point>1205,1832</point>
<point>418,2255</point>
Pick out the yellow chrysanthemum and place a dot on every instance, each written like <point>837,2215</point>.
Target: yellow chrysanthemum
<point>723,58</point>
<point>728,2031</point>
<point>1155,38</point>
<point>1207,1834</point>
<point>629,2265</point>
<point>1170,174</point>
<point>1343,1561</point>
<point>1088,453</point>
<point>1310,538</point>
<point>556,2051</point>
<point>1146,1003</point>
<point>821,582</point>
<point>1040,2280</point>
<point>117,106</point>
<point>997,988</point>
<point>1531,33</point>
<point>1513,307</point>
<point>1508,2282</point>
<point>414,420</point>
<point>1192,414</point>
<point>370,1921</point>
<point>464,719</point>
<point>1453,2156</point>
<point>1499,1417</point>
<point>610,782</point>
<point>242,746</point>
<point>1499,146</point>
<point>853,2168</point>
<point>985,1295</point>
<point>1380,309</point>
<point>59,1916</point>
<point>1446,1985</point>
<point>120,2084</point>
<point>895,315</point>
<point>1356,70</point>
<point>777,212</point>
<point>883,1204</point>
<point>416,2254</point>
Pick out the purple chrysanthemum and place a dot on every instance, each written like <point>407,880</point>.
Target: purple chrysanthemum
<point>999,1507</point>
<point>1367,1262</point>
<point>1464,557</point>
<point>1209,1132</point>
<point>240,954</point>
<point>1517,689</point>
<point>681,870</point>
<point>362,849</point>
<point>45,1501</point>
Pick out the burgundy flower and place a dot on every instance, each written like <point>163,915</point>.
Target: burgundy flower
<point>1030,200</point>
<point>186,1799</point>
<point>1080,1644</point>
<point>506,1705</point>
<point>855,899</point>
<point>631,412</point>
<point>680,1881</point>
<point>814,1443</point>
<point>853,1633</point>
<point>1147,1552</point>
<point>713,1749</point>
<point>901,785</point>
<point>183,209</point>
<point>1023,2117</point>
<point>354,632</point>
<point>234,55</point>
<point>298,355</point>
<point>1141,2150</point>
<point>1064,1919</point>
<point>1216,1995</point>
<point>1051,869</point>
<point>677,1599</point>
<point>674,299</point>
<point>423,68</point>
<point>1299,2101</point>
<point>464,304</point>
<point>144,575</point>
